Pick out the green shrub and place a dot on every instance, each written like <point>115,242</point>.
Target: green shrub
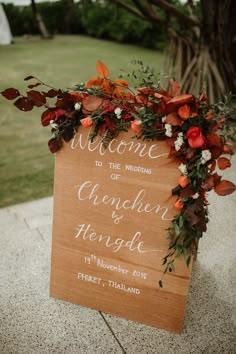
<point>93,18</point>
<point>112,22</point>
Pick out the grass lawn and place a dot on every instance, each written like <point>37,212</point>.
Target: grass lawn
<point>26,165</point>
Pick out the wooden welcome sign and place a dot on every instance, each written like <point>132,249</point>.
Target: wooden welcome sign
<point>111,212</point>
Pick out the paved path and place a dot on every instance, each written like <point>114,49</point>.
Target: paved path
<point>33,323</point>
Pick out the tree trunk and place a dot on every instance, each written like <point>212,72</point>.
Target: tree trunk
<point>69,16</point>
<point>202,51</point>
<point>209,60</point>
<point>40,23</point>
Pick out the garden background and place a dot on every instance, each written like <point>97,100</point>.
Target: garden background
<point>81,32</point>
<point>27,166</point>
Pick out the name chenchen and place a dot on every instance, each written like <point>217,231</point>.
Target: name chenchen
<point>93,193</point>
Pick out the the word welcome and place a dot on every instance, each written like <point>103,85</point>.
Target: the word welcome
<point>116,146</point>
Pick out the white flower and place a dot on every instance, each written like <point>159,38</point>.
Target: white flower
<point>163,119</point>
<point>195,196</point>
<point>179,141</point>
<point>206,156</point>
<point>77,106</point>
<point>183,169</point>
<point>53,124</point>
<point>168,129</point>
<point>117,112</point>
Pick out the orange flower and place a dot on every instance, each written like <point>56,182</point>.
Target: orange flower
<point>136,125</point>
<point>210,114</point>
<point>183,181</point>
<point>86,122</point>
<point>178,204</point>
<point>184,111</point>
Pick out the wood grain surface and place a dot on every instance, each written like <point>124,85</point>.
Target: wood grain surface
<point>111,211</point>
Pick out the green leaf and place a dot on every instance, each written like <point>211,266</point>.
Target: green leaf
<point>181,221</point>
<point>188,260</point>
<point>160,284</point>
<point>172,265</point>
<point>179,251</point>
<point>177,229</point>
<point>186,255</point>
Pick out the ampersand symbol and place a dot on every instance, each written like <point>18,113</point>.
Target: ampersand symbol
<point>116,217</point>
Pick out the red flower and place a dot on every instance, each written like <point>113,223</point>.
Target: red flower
<point>136,126</point>
<point>195,137</point>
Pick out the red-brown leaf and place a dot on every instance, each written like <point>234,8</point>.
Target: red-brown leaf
<point>34,85</point>
<point>91,103</point>
<point>192,212</point>
<point>54,145</point>
<point>212,181</point>
<point>65,100</point>
<point>24,104</point>
<point>178,101</point>
<point>223,163</point>
<point>209,184</point>
<point>227,149</point>
<point>203,97</point>
<point>216,151</point>
<point>37,97</point>
<point>213,166</point>
<point>94,81</point>
<point>49,115</point>
<point>190,152</point>
<point>216,178</point>
<point>46,117</point>
<point>188,191</point>
<point>215,140</point>
<point>102,69</point>
<point>121,82</point>
<point>10,93</point>
<point>173,119</point>
<point>170,142</point>
<point>163,94</point>
<point>29,78</point>
<point>51,93</point>
<point>172,152</point>
<point>176,87</point>
<point>225,187</point>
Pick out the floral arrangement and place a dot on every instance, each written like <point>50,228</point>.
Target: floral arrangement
<point>190,126</point>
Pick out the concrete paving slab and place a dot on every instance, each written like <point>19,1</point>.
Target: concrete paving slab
<point>30,321</point>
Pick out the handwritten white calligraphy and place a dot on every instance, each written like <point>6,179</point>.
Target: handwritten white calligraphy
<point>116,146</point>
<point>86,232</point>
<point>93,192</point>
